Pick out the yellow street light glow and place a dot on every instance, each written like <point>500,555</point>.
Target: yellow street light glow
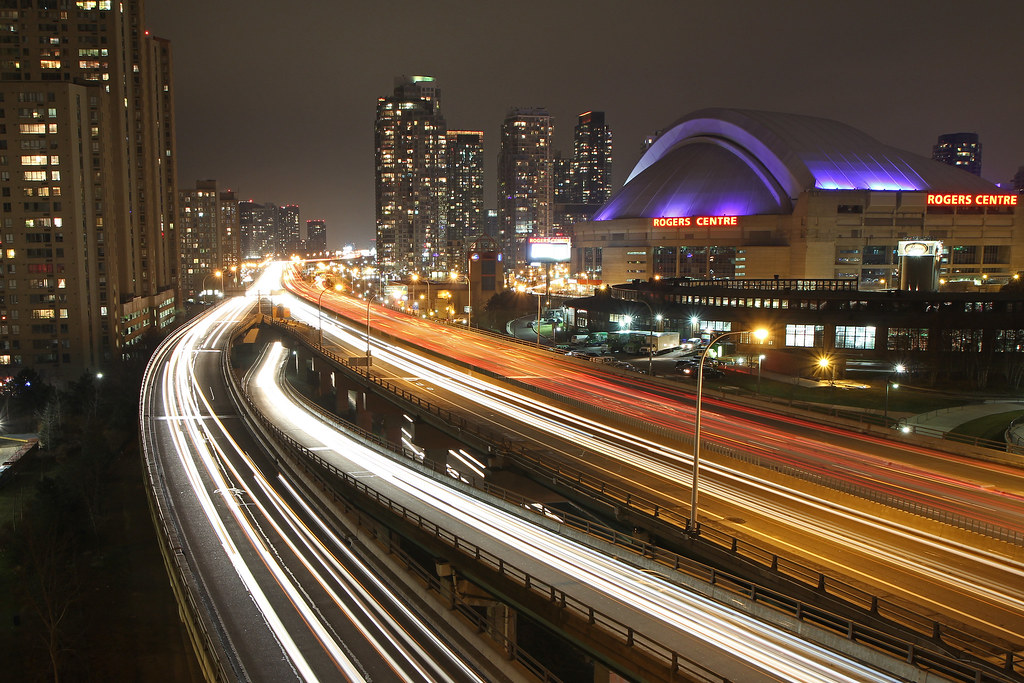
<point>823,362</point>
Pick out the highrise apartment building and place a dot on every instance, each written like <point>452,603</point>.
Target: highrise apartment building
<point>208,225</point>
<point>87,177</point>
<point>410,177</point>
<point>289,235</point>
<point>591,175</point>
<point>465,219</point>
<point>316,236</point>
<point>962,150</point>
<point>258,226</point>
<point>587,183</point>
<point>525,180</point>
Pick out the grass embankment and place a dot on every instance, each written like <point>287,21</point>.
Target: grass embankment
<point>991,427</point>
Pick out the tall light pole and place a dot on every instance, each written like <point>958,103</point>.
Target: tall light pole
<point>539,297</point>
<point>898,369</point>
<point>650,338</point>
<point>369,359</point>
<point>319,311</point>
<point>760,358</point>
<point>215,273</point>
<point>692,527</point>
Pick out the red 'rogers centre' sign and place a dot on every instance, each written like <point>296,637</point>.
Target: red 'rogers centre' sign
<point>689,221</point>
<point>972,200</point>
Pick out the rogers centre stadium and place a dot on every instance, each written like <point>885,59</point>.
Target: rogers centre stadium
<point>739,194</point>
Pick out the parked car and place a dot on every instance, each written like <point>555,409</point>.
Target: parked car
<point>688,368</point>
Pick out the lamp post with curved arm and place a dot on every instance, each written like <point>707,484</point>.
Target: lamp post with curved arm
<point>650,339</point>
<point>692,527</point>
<point>369,360</point>
<point>319,310</point>
<point>215,273</point>
<point>897,370</point>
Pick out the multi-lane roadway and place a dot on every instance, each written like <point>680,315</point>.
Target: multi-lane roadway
<point>962,578</point>
<point>282,592</point>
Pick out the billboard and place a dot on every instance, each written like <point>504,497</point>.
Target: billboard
<point>548,249</point>
<point>919,248</point>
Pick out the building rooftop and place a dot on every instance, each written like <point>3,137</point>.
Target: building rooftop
<point>734,162</point>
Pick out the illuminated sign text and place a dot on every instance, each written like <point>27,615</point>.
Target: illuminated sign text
<point>972,200</point>
<point>700,221</point>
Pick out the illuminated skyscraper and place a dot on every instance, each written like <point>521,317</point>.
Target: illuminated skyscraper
<point>258,226</point>
<point>591,160</point>
<point>959,149</point>
<point>289,235</point>
<point>411,180</point>
<point>588,183</point>
<point>316,236</point>
<point>91,249</point>
<point>465,220</point>
<point>525,180</point>
<point>208,225</point>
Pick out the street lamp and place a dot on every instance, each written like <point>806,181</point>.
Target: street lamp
<point>539,297</point>
<point>692,527</point>
<point>319,311</point>
<point>369,360</point>
<point>215,273</point>
<point>650,338</point>
<point>898,369</point>
<point>760,358</point>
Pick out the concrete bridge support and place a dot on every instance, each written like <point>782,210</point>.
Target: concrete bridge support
<point>434,442</point>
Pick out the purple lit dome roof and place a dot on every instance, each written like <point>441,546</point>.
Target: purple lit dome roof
<point>735,162</point>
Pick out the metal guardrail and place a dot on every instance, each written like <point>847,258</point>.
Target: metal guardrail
<point>958,520</point>
<point>969,646</point>
<point>212,656</point>
<point>629,636</point>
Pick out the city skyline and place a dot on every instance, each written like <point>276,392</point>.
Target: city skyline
<point>290,116</point>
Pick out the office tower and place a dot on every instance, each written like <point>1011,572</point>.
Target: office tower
<point>208,225</point>
<point>411,182</point>
<point>525,182</point>
<point>561,178</point>
<point>90,247</point>
<point>231,241</point>
<point>289,236</point>
<point>465,220</point>
<point>258,226</point>
<point>959,149</point>
<point>316,236</point>
<point>591,160</point>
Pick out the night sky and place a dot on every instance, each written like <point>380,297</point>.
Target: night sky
<point>276,100</point>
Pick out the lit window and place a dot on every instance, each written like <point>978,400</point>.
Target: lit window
<point>49,63</point>
<point>853,337</point>
<point>34,160</point>
<point>801,335</point>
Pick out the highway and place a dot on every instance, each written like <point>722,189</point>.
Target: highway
<point>285,595</point>
<point>731,643</point>
<point>964,578</point>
